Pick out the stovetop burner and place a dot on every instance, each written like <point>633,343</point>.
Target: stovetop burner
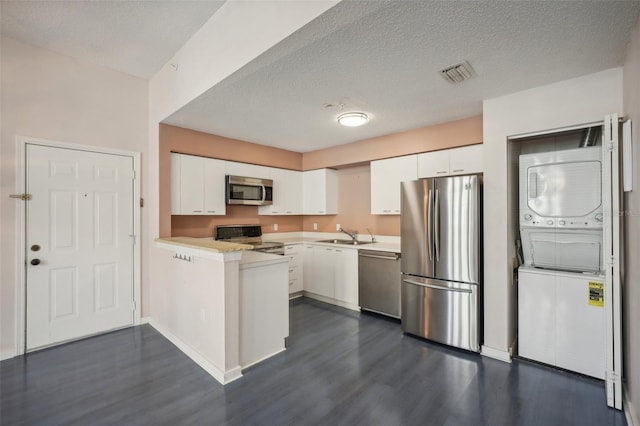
<point>248,234</point>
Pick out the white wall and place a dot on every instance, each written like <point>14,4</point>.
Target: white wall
<point>54,97</point>
<point>572,102</point>
<point>235,35</point>
<point>631,280</point>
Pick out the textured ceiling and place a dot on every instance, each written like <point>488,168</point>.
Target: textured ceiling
<point>384,58</point>
<point>135,37</point>
<point>381,57</point>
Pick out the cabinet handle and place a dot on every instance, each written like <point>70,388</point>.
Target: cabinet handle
<point>197,211</point>
<point>440,173</point>
<point>458,170</point>
<point>211,211</point>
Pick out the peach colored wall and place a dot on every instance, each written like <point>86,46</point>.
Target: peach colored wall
<point>354,205</point>
<point>463,132</point>
<point>203,226</point>
<point>354,202</point>
<point>176,139</point>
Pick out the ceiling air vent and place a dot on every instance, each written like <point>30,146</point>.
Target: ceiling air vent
<point>458,73</point>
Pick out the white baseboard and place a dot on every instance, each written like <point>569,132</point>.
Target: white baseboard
<point>264,358</point>
<point>221,376</point>
<point>144,320</point>
<point>630,412</point>
<point>495,354</point>
<point>331,301</point>
<point>7,354</point>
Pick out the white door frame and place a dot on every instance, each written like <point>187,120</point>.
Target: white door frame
<point>21,276</point>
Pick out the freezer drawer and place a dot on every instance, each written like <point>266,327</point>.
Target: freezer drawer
<point>443,311</point>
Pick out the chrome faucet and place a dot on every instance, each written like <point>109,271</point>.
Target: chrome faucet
<point>373,239</point>
<point>353,234</point>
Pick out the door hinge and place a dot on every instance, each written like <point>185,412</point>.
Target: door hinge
<point>141,202</point>
<point>23,197</point>
<point>133,174</point>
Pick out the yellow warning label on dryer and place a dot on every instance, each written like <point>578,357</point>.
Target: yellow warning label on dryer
<point>596,294</point>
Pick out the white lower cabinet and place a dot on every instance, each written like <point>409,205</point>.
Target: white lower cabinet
<point>331,273</point>
<point>294,252</point>
<point>318,270</point>
<point>346,276</point>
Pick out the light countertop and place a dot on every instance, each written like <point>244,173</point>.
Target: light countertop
<point>208,244</point>
<point>382,246</point>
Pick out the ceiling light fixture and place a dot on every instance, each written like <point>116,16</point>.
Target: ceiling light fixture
<point>353,119</point>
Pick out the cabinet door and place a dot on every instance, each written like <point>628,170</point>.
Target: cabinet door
<point>433,164</point>
<point>214,187</point>
<point>293,202</point>
<point>191,185</point>
<point>386,176</point>
<point>248,170</point>
<point>346,276</point>
<point>318,270</point>
<point>287,193</point>
<point>466,160</point>
<point>320,192</point>
<point>175,183</point>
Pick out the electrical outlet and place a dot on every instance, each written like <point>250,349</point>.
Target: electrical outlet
<point>338,227</point>
<point>315,226</point>
<point>275,226</point>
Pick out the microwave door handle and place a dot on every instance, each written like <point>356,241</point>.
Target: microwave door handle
<point>264,192</point>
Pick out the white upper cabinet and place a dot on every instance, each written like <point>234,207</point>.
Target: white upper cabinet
<point>456,161</point>
<point>197,185</point>
<point>433,164</point>
<point>386,176</point>
<point>320,192</point>
<point>248,170</point>
<point>215,202</point>
<point>287,193</point>
<point>465,160</point>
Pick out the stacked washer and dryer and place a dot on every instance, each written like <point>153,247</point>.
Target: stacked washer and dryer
<point>561,318</point>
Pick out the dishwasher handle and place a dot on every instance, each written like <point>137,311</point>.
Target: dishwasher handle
<point>393,256</point>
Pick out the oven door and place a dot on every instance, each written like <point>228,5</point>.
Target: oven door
<point>249,191</point>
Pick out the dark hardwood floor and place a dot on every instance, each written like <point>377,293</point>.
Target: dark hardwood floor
<point>341,368</point>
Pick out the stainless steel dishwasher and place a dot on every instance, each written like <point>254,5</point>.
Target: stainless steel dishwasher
<point>379,282</point>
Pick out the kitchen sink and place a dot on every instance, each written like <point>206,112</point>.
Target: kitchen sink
<point>345,242</point>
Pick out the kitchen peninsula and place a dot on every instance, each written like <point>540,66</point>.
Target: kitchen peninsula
<point>225,306</point>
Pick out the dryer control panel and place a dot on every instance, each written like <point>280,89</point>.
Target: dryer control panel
<point>530,219</point>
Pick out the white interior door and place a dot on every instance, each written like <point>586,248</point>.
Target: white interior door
<point>80,249</point>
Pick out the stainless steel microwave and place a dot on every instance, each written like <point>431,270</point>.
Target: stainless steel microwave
<point>249,191</point>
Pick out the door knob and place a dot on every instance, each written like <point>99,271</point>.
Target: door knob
<point>35,262</point>
<point>35,247</point>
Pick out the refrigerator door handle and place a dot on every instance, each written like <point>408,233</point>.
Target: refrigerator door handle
<point>430,225</point>
<point>437,287</point>
<point>436,226</point>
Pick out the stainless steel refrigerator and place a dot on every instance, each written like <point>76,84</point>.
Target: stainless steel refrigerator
<point>441,231</point>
